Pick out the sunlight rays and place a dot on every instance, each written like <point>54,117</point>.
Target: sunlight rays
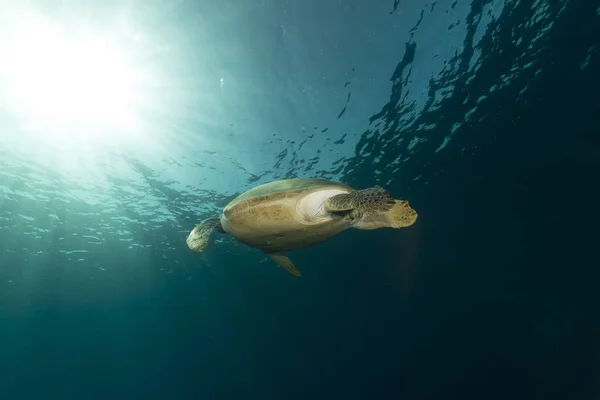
<point>68,82</point>
<point>89,88</point>
<point>77,91</point>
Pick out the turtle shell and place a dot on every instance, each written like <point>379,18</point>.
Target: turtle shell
<point>277,190</point>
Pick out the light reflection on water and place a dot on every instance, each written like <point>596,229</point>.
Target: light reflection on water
<point>241,96</point>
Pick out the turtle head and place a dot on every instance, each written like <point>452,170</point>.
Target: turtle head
<point>400,215</point>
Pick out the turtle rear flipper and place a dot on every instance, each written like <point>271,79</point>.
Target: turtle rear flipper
<point>284,262</point>
<point>366,201</point>
<point>197,240</point>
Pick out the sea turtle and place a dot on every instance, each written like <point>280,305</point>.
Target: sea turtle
<point>294,213</point>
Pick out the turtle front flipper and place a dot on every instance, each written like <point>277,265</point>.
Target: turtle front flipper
<point>284,262</point>
<point>366,201</point>
<point>197,240</point>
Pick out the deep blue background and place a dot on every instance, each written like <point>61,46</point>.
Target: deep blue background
<point>492,294</point>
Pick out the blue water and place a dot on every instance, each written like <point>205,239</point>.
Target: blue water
<point>483,114</point>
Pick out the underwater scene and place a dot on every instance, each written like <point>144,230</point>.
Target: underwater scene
<point>279,199</point>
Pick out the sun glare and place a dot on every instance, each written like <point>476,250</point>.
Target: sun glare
<point>67,82</point>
